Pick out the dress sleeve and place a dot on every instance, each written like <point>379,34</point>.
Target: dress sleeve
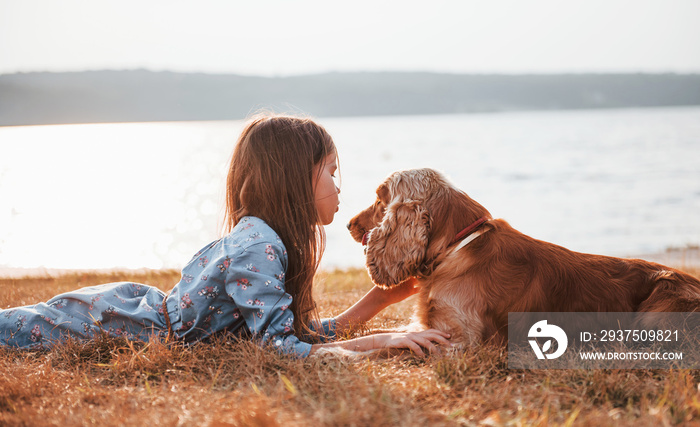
<point>255,282</point>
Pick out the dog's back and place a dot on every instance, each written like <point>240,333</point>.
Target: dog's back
<point>506,271</point>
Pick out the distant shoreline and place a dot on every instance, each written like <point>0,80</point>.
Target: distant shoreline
<point>679,258</point>
<point>675,257</point>
<point>109,96</point>
<point>43,272</point>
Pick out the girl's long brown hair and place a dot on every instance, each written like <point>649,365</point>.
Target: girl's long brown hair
<point>271,177</point>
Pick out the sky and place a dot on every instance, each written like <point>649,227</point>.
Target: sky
<point>288,37</point>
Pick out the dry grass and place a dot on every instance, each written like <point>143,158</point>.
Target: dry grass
<point>114,382</point>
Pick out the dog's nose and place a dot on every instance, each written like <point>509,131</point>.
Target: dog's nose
<point>348,225</point>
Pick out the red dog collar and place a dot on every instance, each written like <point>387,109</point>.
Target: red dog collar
<point>467,231</point>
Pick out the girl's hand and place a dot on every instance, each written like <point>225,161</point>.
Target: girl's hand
<point>399,292</point>
<point>414,341</point>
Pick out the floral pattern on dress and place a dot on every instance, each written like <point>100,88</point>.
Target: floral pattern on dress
<point>209,292</point>
<point>271,255</point>
<point>185,301</point>
<point>21,321</point>
<point>243,283</point>
<point>59,304</point>
<point>254,236</point>
<point>225,264</point>
<point>36,334</point>
<point>93,300</point>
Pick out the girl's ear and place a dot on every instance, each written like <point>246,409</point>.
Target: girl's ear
<point>396,248</point>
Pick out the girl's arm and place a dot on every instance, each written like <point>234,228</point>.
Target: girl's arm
<point>372,303</point>
<point>366,308</point>
<point>414,341</point>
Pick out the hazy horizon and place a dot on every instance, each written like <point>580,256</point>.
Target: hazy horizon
<point>388,71</point>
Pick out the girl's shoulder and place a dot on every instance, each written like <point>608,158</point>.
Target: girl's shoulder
<point>252,230</point>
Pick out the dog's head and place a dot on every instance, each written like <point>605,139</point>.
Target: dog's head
<point>415,217</point>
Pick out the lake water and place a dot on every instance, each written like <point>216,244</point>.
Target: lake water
<point>617,182</point>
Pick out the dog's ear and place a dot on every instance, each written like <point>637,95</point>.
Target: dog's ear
<point>396,248</point>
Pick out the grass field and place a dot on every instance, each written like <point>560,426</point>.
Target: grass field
<point>113,382</point>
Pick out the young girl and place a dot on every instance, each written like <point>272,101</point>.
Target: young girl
<point>254,282</point>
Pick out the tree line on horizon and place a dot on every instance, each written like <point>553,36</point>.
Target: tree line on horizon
<point>140,95</point>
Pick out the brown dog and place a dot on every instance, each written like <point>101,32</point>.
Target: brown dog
<point>473,270</point>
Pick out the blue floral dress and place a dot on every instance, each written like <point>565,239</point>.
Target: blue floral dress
<point>234,284</point>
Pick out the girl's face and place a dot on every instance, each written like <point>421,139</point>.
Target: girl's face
<point>325,190</point>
